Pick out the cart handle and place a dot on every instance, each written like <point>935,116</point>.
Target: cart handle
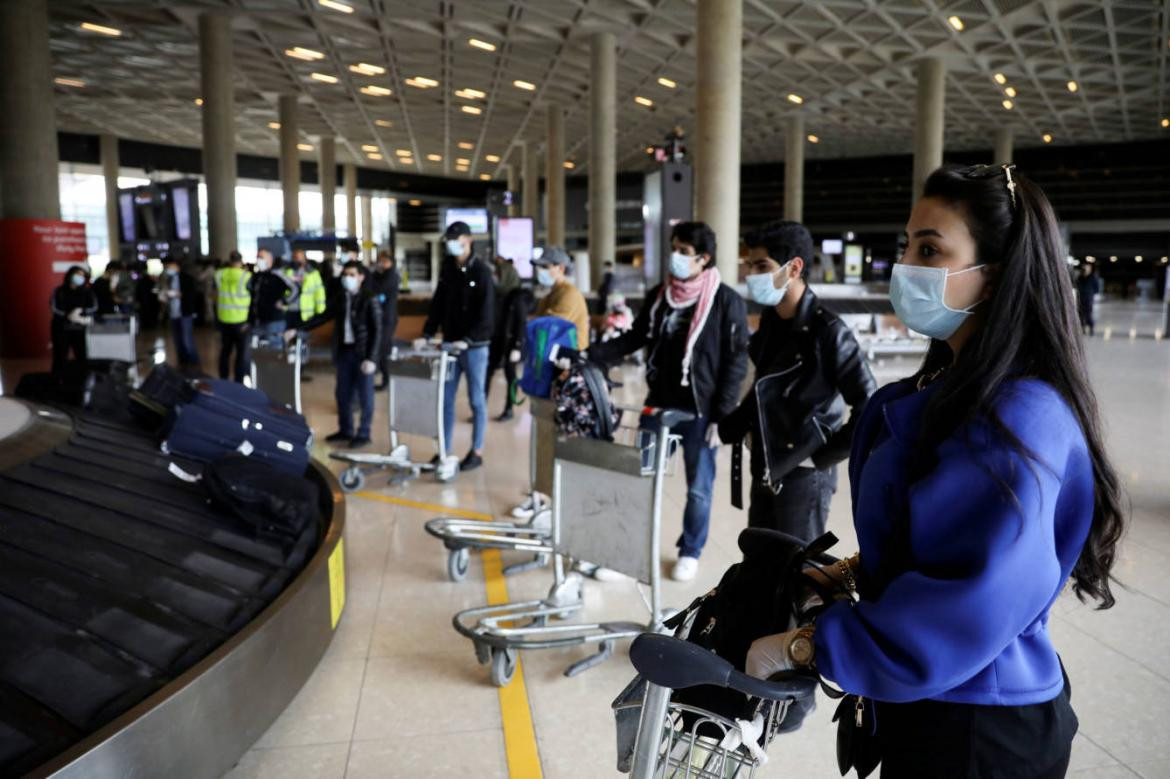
<point>673,663</point>
<point>667,417</point>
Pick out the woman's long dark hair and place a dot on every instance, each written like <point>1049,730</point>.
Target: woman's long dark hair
<point>1031,330</point>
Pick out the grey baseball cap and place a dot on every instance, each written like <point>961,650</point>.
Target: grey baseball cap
<point>552,255</point>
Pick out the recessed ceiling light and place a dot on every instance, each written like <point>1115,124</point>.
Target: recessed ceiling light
<point>369,147</point>
<point>526,85</point>
<point>1165,260</point>
<point>956,22</point>
<point>1073,86</point>
<point>1166,122</point>
<point>422,82</point>
<point>375,91</point>
<point>1090,258</point>
<point>649,149</point>
<point>813,139</point>
<point>485,177</point>
<point>477,43</point>
<point>274,125</point>
<point>76,82</point>
<point>414,202</point>
<point>569,164</point>
<point>435,157</point>
<point>1008,104</point>
<point>305,146</point>
<point>1010,91</point>
<point>325,77</point>
<point>474,110</point>
<point>101,29</point>
<point>404,152</point>
<point>794,98</point>
<point>461,168</point>
<point>462,161</point>
<point>643,101</point>
<point>301,53</point>
<point>367,70</point>
<point>466,145</point>
<point>1047,137</point>
<point>406,160</point>
<point>336,5</point>
<point>198,101</point>
<point>1000,79</point>
<point>666,82</point>
<point>492,157</point>
<point>374,155</point>
<point>383,123</point>
<point>1137,258</point>
<point>1113,258</point>
<point>472,94</point>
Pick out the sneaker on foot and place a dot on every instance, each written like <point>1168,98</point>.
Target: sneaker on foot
<point>685,569</point>
<point>338,437</point>
<point>359,441</point>
<point>504,417</point>
<point>436,460</point>
<point>471,462</point>
<point>602,574</point>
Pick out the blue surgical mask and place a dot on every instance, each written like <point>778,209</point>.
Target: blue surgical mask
<point>680,266</point>
<point>77,279</point>
<point>918,294</point>
<point>762,287</point>
<point>351,283</point>
<point>544,277</point>
<point>455,247</point>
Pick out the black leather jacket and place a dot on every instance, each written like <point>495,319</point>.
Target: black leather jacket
<point>365,315</point>
<point>806,373</point>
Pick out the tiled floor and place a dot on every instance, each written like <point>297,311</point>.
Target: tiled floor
<point>400,694</point>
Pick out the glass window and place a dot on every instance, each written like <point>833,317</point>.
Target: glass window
<point>83,199</point>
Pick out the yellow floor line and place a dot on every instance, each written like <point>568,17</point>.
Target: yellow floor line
<point>515,710</point>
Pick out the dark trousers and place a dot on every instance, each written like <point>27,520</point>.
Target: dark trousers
<point>388,328</point>
<point>1088,323</point>
<point>350,382</point>
<point>800,509</point>
<point>183,334</point>
<point>509,377</point>
<point>64,342</point>
<point>235,338</point>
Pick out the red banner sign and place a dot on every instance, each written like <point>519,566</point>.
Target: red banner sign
<point>34,255</point>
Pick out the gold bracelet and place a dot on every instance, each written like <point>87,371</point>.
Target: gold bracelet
<point>847,575</point>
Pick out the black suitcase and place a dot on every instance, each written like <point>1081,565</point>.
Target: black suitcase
<point>70,387</point>
<point>158,394</point>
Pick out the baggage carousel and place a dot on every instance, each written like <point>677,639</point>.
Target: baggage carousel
<point>143,632</point>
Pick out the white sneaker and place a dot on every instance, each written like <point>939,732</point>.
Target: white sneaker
<point>607,575</point>
<point>685,569</point>
<point>525,510</point>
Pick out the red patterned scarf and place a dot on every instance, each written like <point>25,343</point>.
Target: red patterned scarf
<point>698,291</point>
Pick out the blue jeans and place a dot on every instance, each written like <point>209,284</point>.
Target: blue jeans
<point>183,333</point>
<point>699,461</point>
<point>473,362</point>
<point>271,332</point>
<point>351,381</point>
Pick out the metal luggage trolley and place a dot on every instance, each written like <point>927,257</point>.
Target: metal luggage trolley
<point>415,398</point>
<point>460,536</point>
<point>661,739</point>
<point>113,337</point>
<point>607,507</point>
<point>276,369</point>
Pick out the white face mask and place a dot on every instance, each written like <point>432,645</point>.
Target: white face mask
<point>77,279</point>
<point>351,283</point>
<point>680,266</point>
<point>762,287</point>
<point>261,265</point>
<point>544,277</point>
<point>918,295</point>
<point>455,247</point>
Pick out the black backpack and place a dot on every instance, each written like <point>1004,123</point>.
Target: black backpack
<point>757,597</point>
<point>261,496</point>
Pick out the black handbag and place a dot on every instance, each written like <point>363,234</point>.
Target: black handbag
<point>858,745</point>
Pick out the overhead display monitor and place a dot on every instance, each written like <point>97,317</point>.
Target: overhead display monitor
<point>476,218</point>
<point>853,262</point>
<point>832,246</point>
<point>181,205</point>
<point>126,212</point>
<point>514,238</point>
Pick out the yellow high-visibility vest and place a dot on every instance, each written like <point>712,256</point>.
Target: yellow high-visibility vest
<point>232,296</point>
<point>312,298</point>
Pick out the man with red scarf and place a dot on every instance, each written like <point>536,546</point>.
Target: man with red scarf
<point>694,329</point>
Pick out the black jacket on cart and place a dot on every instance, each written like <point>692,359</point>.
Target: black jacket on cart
<point>464,303</point>
<point>808,369</point>
<point>383,285</point>
<point>365,316</point>
<point>718,360</point>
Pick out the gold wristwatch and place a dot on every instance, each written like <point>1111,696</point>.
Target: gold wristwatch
<point>801,647</point>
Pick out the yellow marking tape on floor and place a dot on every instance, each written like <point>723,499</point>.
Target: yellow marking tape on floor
<point>515,710</point>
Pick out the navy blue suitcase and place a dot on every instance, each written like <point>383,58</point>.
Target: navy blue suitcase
<point>215,419</point>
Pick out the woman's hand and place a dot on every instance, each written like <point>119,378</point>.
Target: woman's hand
<point>780,652</point>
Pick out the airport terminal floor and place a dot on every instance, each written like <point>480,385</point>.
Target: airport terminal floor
<point>399,693</point>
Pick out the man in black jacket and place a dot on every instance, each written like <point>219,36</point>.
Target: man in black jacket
<point>463,308</point>
<point>514,302</point>
<point>808,368</point>
<point>357,339</point>
<point>272,291</point>
<point>180,300</point>
<point>694,330</point>
<point>383,285</point>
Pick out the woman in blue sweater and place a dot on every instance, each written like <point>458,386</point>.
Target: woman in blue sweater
<point>979,486</point>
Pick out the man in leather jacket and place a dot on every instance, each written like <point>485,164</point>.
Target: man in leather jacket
<point>808,368</point>
<point>357,339</point>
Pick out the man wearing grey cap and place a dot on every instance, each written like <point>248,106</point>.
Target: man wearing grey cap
<point>463,309</point>
<point>563,299</point>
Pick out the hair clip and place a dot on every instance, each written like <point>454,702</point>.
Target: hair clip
<point>1011,185</point>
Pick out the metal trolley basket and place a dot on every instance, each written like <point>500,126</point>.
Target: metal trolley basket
<point>114,337</point>
<point>534,536</point>
<point>276,369</point>
<point>607,506</point>
<point>416,398</point>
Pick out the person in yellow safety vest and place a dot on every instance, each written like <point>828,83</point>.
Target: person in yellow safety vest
<point>233,299</point>
<point>311,300</point>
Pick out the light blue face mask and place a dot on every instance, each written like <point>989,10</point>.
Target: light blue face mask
<point>351,283</point>
<point>76,279</point>
<point>918,294</point>
<point>544,277</point>
<point>455,247</point>
<point>762,287</point>
<point>680,266</point>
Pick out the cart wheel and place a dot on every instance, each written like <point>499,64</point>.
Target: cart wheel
<point>503,666</point>
<point>483,653</point>
<point>458,561</point>
<point>352,479</point>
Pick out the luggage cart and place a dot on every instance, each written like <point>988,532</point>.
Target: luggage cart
<point>415,400</point>
<point>114,337</point>
<point>534,536</point>
<point>607,506</point>
<point>661,739</point>
<point>276,370</point>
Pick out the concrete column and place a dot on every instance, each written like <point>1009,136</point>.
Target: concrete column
<point>351,216</point>
<point>368,236</point>
<point>327,178</point>
<point>290,163</point>
<point>532,184</point>
<point>928,122</point>
<point>109,155</point>
<point>794,171</point>
<point>719,28</point>
<point>1003,145</point>
<point>28,132</point>
<point>555,175</point>
<point>514,185</point>
<point>219,132</point>
<point>602,156</point>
